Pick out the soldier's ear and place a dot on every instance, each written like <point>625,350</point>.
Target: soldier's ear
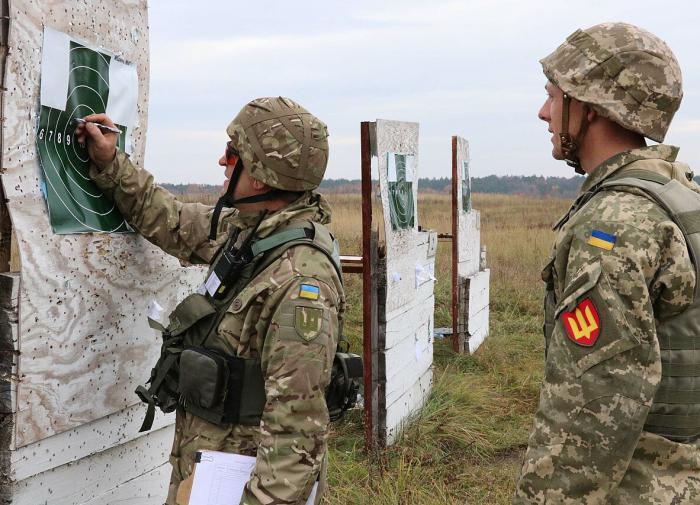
<point>259,185</point>
<point>591,114</point>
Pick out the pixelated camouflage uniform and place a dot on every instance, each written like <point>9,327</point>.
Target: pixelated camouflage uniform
<point>294,338</point>
<point>588,445</point>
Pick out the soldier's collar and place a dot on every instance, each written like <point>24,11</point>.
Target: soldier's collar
<point>616,162</point>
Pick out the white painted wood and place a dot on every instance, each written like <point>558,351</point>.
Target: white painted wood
<point>405,374</point>
<point>95,476</point>
<point>403,410</point>
<point>83,441</point>
<point>148,489</point>
<point>84,341</point>
<point>468,241</point>
<point>478,318</point>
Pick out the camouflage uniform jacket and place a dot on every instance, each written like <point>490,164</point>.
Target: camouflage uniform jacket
<point>263,321</point>
<point>588,444</point>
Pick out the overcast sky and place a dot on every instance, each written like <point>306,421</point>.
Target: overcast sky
<point>468,68</point>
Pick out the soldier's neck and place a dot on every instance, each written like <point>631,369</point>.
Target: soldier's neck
<point>604,140</point>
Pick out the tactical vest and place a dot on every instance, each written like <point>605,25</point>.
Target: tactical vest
<point>675,411</point>
<point>193,375</point>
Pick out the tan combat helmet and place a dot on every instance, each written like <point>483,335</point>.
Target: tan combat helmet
<point>621,71</point>
<point>281,143</point>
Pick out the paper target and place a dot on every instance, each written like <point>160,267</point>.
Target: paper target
<point>75,203</point>
<point>466,188</point>
<point>402,209</point>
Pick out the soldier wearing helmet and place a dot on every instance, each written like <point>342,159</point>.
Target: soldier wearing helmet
<point>270,312</point>
<point>619,411</point>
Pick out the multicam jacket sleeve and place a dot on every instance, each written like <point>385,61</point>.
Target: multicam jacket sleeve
<point>180,229</point>
<point>296,359</point>
<point>603,360</point>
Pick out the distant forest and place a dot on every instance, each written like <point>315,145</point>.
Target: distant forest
<point>532,185</point>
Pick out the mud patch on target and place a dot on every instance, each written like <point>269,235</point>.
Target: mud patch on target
<point>78,80</point>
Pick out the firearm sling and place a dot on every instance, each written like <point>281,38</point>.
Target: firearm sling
<point>193,375</point>
<point>675,411</point>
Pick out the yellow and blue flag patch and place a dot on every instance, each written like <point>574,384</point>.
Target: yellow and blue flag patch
<point>602,240</point>
<point>309,292</point>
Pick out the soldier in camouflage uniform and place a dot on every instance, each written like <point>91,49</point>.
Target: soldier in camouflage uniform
<point>619,276</point>
<point>288,316</point>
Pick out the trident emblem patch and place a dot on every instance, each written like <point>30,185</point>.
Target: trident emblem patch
<point>583,323</point>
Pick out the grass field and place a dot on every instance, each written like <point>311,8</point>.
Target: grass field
<point>466,445</point>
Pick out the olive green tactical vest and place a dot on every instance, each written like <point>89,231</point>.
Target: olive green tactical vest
<point>675,411</point>
<point>195,321</point>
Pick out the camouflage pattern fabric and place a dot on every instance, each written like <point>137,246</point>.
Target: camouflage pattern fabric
<point>623,72</point>
<point>294,335</point>
<point>587,444</point>
<point>281,143</point>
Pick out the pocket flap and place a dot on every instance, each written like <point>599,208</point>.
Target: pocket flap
<point>190,310</point>
<point>582,284</point>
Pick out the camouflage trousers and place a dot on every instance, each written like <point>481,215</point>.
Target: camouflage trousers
<point>194,434</point>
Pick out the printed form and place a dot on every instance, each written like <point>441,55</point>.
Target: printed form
<point>220,477</point>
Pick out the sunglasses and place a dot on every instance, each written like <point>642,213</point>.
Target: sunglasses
<point>232,154</point>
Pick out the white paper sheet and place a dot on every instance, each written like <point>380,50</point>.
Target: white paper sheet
<point>220,477</point>
<point>55,69</point>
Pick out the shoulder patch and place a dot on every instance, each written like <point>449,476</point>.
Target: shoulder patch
<point>307,322</point>
<point>583,323</point>
<point>309,291</point>
<point>602,240</point>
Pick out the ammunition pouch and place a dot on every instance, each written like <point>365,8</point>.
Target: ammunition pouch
<point>221,389</point>
<point>346,377</point>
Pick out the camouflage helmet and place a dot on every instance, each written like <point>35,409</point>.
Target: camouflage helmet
<point>622,72</point>
<point>281,143</point>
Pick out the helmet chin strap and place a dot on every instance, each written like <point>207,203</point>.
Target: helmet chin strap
<point>568,144</point>
<point>226,200</point>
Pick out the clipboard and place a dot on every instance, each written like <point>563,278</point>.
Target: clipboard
<point>219,477</point>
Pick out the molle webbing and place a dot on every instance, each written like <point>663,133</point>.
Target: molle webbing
<point>675,411</point>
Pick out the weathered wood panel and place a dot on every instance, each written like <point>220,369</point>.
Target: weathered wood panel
<point>472,283</point>
<point>82,442</point>
<point>405,347</point>
<point>148,489</point>
<point>83,337</point>
<point>95,477</point>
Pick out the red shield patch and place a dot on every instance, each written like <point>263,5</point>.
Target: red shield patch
<point>583,323</point>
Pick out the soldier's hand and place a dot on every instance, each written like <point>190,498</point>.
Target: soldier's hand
<point>101,145</point>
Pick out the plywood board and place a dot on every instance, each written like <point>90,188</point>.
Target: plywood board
<point>83,441</point>
<point>83,337</point>
<point>478,309</point>
<point>96,476</point>
<point>148,489</point>
<point>408,303</point>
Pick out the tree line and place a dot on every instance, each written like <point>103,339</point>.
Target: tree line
<point>531,185</point>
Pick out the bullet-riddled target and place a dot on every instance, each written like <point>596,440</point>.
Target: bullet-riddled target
<point>75,203</point>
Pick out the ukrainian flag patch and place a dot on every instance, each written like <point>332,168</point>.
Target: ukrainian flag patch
<point>602,240</point>
<point>309,292</point>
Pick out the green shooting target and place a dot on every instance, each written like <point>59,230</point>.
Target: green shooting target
<point>402,209</point>
<point>75,203</point>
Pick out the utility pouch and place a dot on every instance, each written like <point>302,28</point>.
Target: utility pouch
<point>221,389</point>
<point>204,375</point>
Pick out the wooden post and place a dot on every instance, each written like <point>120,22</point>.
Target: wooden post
<point>368,293</point>
<point>456,344</point>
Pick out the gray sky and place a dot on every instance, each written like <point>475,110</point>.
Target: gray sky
<point>468,68</point>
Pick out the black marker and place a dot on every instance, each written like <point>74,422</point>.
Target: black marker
<point>77,120</point>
